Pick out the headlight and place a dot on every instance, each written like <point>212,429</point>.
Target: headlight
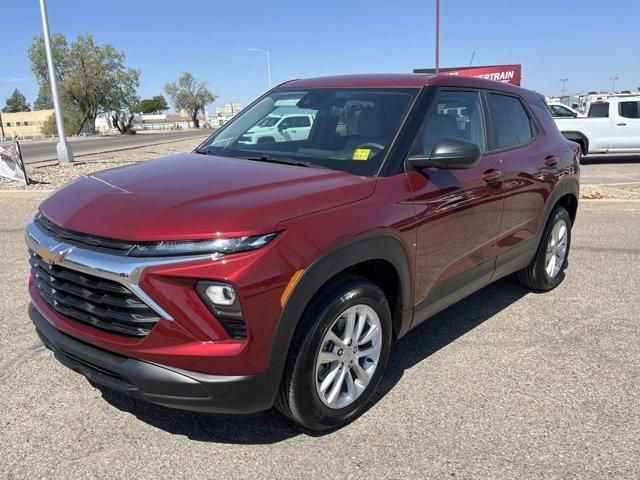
<point>220,246</point>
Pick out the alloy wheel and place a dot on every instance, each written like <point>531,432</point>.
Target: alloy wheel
<point>348,356</point>
<point>556,249</point>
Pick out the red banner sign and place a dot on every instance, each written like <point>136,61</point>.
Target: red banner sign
<point>500,73</point>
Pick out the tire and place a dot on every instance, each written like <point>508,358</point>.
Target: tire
<point>299,396</point>
<point>536,275</point>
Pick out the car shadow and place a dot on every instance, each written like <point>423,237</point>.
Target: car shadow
<point>271,427</point>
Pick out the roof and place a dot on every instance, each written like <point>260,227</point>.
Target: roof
<point>405,80</point>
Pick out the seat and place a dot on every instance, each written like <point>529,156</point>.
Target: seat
<point>371,127</point>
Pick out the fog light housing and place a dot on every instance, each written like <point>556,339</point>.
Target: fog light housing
<point>223,301</point>
<point>221,295</point>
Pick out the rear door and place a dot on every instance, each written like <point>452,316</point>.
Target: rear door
<point>457,211</point>
<point>531,161</point>
<point>626,129</point>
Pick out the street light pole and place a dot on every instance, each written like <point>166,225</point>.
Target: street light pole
<point>613,84</point>
<point>437,36</point>
<point>268,62</point>
<point>65,155</point>
<point>563,81</point>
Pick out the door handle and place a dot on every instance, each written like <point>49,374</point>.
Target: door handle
<point>492,176</point>
<point>551,161</point>
<point>621,124</point>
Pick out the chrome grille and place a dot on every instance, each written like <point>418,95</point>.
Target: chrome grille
<point>101,303</point>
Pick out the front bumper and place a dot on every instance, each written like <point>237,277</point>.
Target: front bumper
<point>163,385</point>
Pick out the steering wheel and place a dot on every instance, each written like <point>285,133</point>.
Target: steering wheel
<point>376,145</point>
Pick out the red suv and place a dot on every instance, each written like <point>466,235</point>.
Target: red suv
<point>279,271</point>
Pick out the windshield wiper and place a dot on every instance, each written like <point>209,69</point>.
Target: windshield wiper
<point>202,152</point>
<point>286,161</point>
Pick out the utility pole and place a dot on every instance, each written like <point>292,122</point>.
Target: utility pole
<point>613,84</point>
<point>564,81</point>
<point>437,36</point>
<point>65,155</point>
<point>268,62</point>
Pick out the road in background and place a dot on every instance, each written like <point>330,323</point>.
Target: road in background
<point>45,150</point>
<point>505,384</point>
<point>610,169</point>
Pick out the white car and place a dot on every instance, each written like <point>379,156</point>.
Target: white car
<point>560,110</point>
<point>279,128</point>
<point>611,126</point>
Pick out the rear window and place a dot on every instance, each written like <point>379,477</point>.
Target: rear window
<point>629,109</point>
<point>513,125</point>
<point>599,110</point>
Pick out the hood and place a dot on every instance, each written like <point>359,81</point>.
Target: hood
<point>191,196</point>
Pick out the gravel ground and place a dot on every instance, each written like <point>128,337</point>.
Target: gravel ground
<point>54,176</point>
<point>504,385</point>
<point>597,171</point>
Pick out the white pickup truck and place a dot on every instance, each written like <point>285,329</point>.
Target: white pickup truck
<point>611,126</point>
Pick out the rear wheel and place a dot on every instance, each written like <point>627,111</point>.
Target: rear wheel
<point>337,355</point>
<point>546,270</point>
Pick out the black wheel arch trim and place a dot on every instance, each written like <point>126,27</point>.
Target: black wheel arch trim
<point>577,136</point>
<point>379,246</point>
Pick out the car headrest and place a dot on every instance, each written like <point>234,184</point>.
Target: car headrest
<point>371,124</point>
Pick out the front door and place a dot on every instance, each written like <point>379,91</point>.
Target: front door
<point>457,211</point>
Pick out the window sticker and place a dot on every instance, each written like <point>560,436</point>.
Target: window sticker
<point>361,154</point>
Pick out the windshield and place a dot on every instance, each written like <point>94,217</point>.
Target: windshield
<point>341,129</point>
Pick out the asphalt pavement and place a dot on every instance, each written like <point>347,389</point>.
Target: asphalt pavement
<point>610,169</point>
<point>506,384</point>
<point>45,150</point>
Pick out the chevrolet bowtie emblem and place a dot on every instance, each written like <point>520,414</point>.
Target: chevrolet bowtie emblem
<point>57,253</point>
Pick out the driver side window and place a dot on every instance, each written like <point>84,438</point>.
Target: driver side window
<point>284,124</point>
<point>456,114</point>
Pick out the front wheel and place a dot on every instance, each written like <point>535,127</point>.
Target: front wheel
<point>337,356</point>
<point>546,270</point>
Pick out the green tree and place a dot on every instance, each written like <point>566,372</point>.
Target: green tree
<point>16,103</point>
<point>122,118</point>
<point>44,100</point>
<point>92,78</point>
<point>190,94</point>
<point>72,123</point>
<point>151,105</point>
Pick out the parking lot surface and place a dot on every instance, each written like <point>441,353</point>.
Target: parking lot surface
<point>505,384</point>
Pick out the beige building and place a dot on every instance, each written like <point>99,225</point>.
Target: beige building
<point>25,124</point>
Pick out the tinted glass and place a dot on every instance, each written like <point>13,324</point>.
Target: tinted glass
<point>559,111</point>
<point>300,122</point>
<point>629,109</point>
<point>513,126</point>
<point>599,110</point>
<point>455,115</point>
<point>346,129</point>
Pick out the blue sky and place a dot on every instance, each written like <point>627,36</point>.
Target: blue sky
<point>584,41</point>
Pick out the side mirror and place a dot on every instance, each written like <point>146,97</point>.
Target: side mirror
<point>449,153</point>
